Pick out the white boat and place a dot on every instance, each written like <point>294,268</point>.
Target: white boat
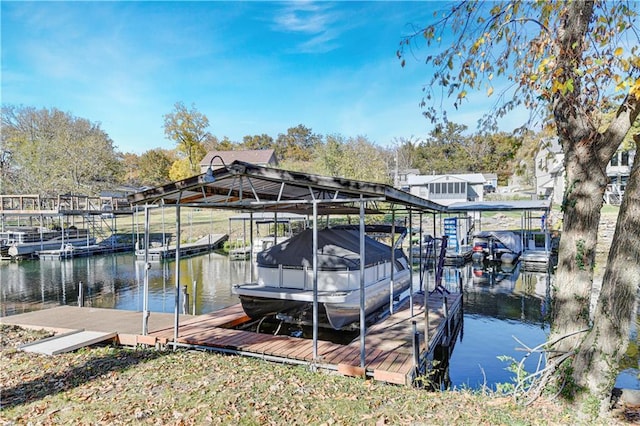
<point>27,243</point>
<point>23,234</point>
<point>496,246</point>
<point>285,277</point>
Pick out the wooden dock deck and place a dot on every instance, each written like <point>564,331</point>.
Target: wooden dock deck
<point>391,354</point>
<point>389,348</point>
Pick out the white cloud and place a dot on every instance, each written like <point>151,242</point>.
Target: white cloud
<point>317,20</point>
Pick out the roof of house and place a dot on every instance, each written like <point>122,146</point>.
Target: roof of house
<point>253,156</point>
<point>477,178</point>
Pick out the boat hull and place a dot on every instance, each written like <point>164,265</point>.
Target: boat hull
<point>337,309</point>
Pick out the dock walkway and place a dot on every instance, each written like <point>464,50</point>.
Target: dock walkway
<point>391,353</point>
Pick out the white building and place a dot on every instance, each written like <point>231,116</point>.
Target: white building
<point>448,189</point>
<point>549,169</point>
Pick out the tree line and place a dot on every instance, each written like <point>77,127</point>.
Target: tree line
<point>52,152</point>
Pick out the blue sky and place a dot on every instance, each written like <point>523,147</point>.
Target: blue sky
<point>250,67</point>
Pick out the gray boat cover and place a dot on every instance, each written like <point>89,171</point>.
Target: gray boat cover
<point>338,249</point>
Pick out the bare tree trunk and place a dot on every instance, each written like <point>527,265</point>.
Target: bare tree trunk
<point>596,363</point>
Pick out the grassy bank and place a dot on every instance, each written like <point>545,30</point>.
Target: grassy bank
<point>111,385</point>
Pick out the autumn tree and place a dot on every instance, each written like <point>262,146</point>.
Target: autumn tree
<point>404,153</point>
<point>442,151</point>
<point>53,152</point>
<point>188,129</point>
<point>154,166</point>
<point>566,62</point>
<point>297,144</point>
<point>352,158</point>
<point>262,141</point>
<point>494,152</point>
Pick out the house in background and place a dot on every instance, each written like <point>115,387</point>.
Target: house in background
<point>259,157</point>
<point>618,171</point>
<point>448,189</point>
<point>491,179</point>
<point>400,178</point>
<point>549,170</point>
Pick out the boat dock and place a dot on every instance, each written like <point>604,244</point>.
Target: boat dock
<point>205,244</point>
<point>458,257</point>
<point>80,251</point>
<point>535,260</point>
<point>395,346</point>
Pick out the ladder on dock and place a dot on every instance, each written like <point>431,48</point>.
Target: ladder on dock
<point>440,268</point>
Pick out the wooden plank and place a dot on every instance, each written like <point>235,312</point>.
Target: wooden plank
<point>336,356</point>
<point>388,360</point>
<point>399,362</point>
<point>407,367</point>
<point>350,370</point>
<point>325,347</point>
<point>298,348</point>
<point>354,357</point>
<point>127,339</point>
<point>307,353</point>
<point>264,343</point>
<point>389,377</point>
<point>147,340</point>
<point>375,358</point>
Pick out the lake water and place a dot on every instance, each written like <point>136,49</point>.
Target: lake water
<point>498,306</point>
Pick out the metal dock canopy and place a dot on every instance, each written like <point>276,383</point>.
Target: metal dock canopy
<point>503,205</point>
<point>245,186</point>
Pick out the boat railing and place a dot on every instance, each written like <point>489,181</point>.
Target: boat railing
<point>301,277</point>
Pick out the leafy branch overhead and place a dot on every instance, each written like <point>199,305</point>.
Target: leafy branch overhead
<point>517,52</point>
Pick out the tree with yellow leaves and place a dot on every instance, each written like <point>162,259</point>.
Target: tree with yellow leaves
<point>568,63</point>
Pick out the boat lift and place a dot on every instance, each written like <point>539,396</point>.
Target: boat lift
<point>247,187</point>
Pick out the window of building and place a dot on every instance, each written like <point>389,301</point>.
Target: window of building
<point>614,160</point>
<point>624,158</point>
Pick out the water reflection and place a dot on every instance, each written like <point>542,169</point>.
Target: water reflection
<point>116,281</point>
<point>499,304</point>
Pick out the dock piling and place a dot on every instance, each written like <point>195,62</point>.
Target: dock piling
<point>185,300</point>
<point>193,299</point>
<point>416,347</point>
<point>80,295</point>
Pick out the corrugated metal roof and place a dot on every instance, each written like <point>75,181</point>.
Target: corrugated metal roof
<point>500,205</point>
<point>246,186</point>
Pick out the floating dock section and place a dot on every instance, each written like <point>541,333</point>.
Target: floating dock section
<point>203,245</point>
<point>81,251</point>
